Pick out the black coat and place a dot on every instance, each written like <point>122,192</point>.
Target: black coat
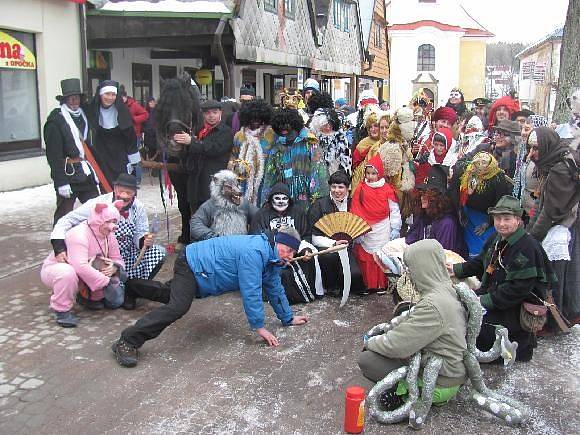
<point>112,146</point>
<point>60,145</point>
<point>204,158</point>
<point>269,219</point>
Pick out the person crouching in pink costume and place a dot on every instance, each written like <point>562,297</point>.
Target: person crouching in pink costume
<point>93,261</point>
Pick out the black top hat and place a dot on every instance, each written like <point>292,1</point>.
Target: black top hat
<point>126,180</point>
<point>69,87</point>
<point>436,179</point>
<point>210,104</point>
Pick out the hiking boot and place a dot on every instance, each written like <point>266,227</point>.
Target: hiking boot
<point>130,302</point>
<point>126,354</point>
<point>66,319</point>
<point>89,304</point>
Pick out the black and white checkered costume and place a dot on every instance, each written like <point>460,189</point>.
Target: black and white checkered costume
<point>131,229</point>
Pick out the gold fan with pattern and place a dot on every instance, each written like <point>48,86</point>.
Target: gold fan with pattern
<point>342,225</point>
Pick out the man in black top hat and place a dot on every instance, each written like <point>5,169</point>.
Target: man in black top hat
<point>65,130</point>
<point>208,152</point>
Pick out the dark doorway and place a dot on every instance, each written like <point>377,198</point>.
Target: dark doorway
<point>142,82</point>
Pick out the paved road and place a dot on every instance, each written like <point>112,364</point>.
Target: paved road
<point>208,373</point>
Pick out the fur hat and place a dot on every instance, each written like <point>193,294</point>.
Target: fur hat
<point>446,113</point>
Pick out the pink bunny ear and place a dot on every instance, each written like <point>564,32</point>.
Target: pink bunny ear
<point>100,207</point>
<point>119,205</point>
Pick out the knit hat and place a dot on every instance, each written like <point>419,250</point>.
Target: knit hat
<point>446,113</point>
<point>288,237</point>
<point>312,85</point>
<point>247,91</point>
<point>507,204</point>
<point>340,102</point>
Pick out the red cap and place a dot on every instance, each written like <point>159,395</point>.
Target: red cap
<point>445,113</point>
<point>355,392</point>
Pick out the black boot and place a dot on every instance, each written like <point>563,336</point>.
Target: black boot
<point>126,354</point>
<point>130,302</point>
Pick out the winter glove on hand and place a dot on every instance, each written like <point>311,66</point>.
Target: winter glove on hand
<point>130,168</point>
<point>65,191</point>
<point>395,234</point>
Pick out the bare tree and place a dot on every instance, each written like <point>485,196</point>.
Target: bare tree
<point>569,78</point>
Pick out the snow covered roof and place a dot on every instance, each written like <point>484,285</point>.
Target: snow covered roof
<point>446,15</point>
<point>555,35</point>
<point>164,7</point>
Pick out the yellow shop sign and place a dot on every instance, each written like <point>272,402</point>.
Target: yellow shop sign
<point>14,54</point>
<point>203,77</point>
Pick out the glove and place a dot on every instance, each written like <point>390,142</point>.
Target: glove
<point>138,172</point>
<point>65,191</point>
<point>130,168</point>
<point>394,234</point>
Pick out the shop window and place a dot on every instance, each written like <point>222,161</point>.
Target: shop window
<point>271,6</point>
<point>426,58</point>
<point>19,113</point>
<point>142,82</point>
<point>290,9</point>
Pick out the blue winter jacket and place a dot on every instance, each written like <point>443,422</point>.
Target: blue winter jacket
<point>247,263</point>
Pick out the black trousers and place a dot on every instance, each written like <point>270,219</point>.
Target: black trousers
<point>486,338</point>
<point>65,205</point>
<point>177,295</point>
<point>179,182</point>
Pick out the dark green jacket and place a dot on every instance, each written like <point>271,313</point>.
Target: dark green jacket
<point>524,271</point>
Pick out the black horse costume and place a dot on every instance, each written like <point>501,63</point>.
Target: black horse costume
<point>178,111</point>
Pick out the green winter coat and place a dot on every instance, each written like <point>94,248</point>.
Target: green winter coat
<point>438,324</point>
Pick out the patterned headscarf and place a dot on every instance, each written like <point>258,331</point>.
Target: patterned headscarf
<point>482,168</point>
<point>538,121</point>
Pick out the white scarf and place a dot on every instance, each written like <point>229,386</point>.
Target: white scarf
<point>76,134</point>
<point>108,117</point>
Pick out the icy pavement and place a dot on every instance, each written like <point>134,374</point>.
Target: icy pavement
<point>208,373</point>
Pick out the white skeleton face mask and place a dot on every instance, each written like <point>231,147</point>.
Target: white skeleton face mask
<point>280,202</point>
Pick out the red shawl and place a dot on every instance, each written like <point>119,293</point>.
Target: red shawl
<point>372,203</point>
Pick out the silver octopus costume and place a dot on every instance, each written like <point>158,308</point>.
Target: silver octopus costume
<point>418,403</point>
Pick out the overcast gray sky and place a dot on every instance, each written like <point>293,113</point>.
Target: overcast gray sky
<point>518,20</point>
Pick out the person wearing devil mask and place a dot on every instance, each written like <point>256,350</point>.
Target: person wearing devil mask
<point>133,233</point>
<point>226,213</point>
<point>299,279</point>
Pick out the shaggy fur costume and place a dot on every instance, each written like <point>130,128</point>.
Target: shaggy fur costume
<point>322,100</point>
<point>229,218</point>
